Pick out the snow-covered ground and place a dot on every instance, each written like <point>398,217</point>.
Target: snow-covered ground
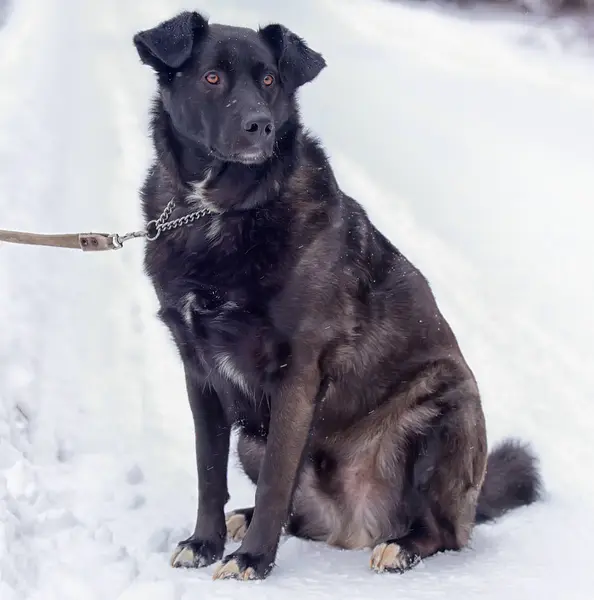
<point>471,149</point>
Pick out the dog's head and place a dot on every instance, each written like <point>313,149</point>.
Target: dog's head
<point>229,89</point>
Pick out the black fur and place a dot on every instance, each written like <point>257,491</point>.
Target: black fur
<point>512,480</point>
<point>299,323</point>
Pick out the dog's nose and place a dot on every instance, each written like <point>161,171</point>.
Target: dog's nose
<point>259,125</point>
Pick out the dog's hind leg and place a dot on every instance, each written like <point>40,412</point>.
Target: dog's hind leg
<point>250,451</point>
<point>445,468</point>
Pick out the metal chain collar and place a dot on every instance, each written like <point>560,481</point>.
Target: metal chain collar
<point>155,227</point>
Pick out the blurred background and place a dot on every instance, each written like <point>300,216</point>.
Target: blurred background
<point>466,132</point>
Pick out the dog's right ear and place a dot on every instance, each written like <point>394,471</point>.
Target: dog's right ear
<point>168,46</point>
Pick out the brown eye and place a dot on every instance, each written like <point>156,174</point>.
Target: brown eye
<point>268,80</point>
<point>212,77</point>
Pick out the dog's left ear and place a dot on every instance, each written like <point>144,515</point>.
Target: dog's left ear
<point>298,64</point>
<point>168,45</point>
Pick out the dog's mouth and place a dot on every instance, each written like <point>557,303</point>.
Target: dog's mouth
<point>245,157</point>
<point>251,158</point>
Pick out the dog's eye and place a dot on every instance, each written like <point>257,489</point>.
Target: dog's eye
<point>212,77</point>
<point>268,80</point>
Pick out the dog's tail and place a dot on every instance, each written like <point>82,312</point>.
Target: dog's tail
<point>512,480</point>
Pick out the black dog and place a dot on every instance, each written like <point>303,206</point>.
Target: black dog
<point>299,323</point>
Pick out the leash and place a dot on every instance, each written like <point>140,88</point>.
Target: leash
<point>98,242</point>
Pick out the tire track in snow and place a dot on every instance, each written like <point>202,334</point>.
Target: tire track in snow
<point>21,143</point>
<point>73,359</point>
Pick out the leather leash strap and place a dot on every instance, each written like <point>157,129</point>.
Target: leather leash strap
<point>97,242</point>
<point>88,242</point>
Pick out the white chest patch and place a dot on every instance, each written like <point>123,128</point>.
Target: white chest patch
<point>229,370</point>
<point>224,362</point>
<point>187,307</point>
<point>198,198</point>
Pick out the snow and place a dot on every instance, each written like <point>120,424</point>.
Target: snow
<point>470,147</point>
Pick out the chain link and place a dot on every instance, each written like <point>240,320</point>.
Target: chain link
<point>155,227</point>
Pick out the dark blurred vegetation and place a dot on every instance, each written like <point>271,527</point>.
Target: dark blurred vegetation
<point>534,7</point>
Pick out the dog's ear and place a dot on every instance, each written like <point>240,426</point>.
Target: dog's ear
<point>168,45</point>
<point>297,62</point>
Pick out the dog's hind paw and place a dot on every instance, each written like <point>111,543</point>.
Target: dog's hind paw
<point>237,523</point>
<point>194,554</point>
<point>393,558</point>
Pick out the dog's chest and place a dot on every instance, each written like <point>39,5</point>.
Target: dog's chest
<point>219,296</point>
<point>234,339</point>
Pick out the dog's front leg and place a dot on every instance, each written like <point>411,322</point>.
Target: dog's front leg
<point>291,418</point>
<point>207,543</point>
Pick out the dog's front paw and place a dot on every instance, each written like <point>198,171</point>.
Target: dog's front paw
<point>244,566</point>
<point>194,554</point>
